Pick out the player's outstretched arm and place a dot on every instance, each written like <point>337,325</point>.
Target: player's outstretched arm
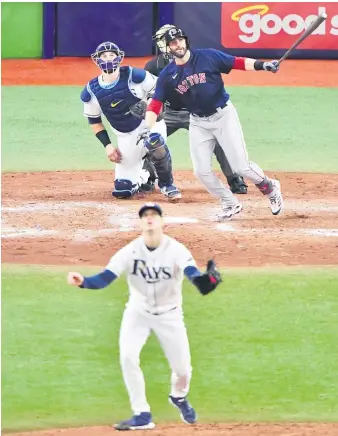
<point>225,62</point>
<point>206,282</point>
<point>98,281</point>
<point>249,64</point>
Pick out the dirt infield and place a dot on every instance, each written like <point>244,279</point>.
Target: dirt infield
<point>253,429</point>
<point>71,218</point>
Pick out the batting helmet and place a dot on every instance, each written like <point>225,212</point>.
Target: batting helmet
<point>108,66</point>
<point>176,32</point>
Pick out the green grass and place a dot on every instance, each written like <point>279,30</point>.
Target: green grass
<point>286,129</point>
<point>264,348</point>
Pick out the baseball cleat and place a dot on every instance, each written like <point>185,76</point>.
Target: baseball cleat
<point>143,421</point>
<point>238,186</point>
<point>228,211</point>
<point>275,198</point>
<point>171,192</point>
<point>188,414</point>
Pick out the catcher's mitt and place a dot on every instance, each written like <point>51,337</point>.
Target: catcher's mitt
<point>208,281</point>
<point>139,109</point>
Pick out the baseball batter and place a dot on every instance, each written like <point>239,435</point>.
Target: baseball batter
<point>196,76</point>
<point>113,93</point>
<point>154,264</point>
<point>177,117</point>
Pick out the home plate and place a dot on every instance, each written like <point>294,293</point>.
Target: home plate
<point>225,227</point>
<point>179,220</point>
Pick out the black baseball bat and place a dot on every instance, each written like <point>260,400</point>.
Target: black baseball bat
<point>313,26</point>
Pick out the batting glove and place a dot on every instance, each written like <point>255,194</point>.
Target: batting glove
<point>272,66</point>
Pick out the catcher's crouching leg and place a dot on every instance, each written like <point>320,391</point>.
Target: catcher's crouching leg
<point>124,188</point>
<point>159,155</point>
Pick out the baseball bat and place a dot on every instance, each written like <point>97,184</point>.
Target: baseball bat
<point>313,26</point>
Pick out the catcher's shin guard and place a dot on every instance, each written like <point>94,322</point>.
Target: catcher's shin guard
<point>159,155</point>
<point>149,166</point>
<point>124,188</point>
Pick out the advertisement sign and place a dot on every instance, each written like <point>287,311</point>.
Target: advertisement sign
<point>277,25</point>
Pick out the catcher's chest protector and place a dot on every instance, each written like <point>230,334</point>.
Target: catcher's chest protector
<point>116,101</point>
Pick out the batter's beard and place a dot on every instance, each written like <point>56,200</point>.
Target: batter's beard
<point>178,55</point>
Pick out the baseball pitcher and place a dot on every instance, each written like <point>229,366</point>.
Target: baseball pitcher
<point>196,76</point>
<point>112,94</point>
<point>154,264</point>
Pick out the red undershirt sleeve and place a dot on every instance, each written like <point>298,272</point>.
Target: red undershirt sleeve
<point>155,106</point>
<point>239,63</point>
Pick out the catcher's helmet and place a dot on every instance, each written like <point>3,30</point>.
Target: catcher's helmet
<point>176,32</point>
<point>108,66</point>
<point>160,41</point>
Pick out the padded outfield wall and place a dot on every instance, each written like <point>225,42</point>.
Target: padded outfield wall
<point>21,30</point>
<point>263,30</point>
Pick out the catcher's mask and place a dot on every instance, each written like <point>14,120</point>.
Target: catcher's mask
<point>160,41</point>
<point>174,33</point>
<point>110,66</point>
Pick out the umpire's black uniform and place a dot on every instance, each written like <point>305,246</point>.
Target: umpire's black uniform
<point>177,118</point>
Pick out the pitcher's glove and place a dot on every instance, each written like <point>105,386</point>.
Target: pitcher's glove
<point>208,281</point>
<point>139,109</point>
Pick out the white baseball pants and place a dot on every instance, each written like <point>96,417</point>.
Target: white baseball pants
<point>225,127</point>
<point>132,155</point>
<point>171,332</point>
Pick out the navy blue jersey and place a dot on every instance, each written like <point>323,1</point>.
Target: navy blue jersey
<point>155,66</point>
<point>114,100</point>
<point>198,82</point>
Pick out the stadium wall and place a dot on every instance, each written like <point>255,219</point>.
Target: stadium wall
<point>263,30</point>
<point>21,30</point>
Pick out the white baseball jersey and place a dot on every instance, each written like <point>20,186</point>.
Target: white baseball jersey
<point>154,277</point>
